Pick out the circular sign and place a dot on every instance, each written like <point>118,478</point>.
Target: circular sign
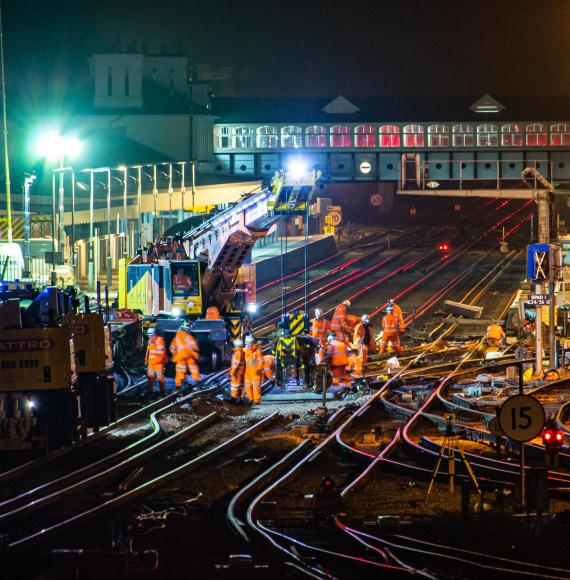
<point>365,167</point>
<point>376,199</point>
<point>495,428</point>
<point>521,418</point>
<point>335,218</point>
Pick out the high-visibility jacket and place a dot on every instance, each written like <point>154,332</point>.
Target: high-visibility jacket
<point>337,353</point>
<point>397,311</point>
<point>391,323</point>
<point>184,346</point>
<point>287,347</point>
<point>495,332</point>
<point>269,366</point>
<point>156,351</point>
<point>238,362</point>
<point>355,366</point>
<point>180,282</point>
<point>338,322</point>
<point>253,359</point>
<point>213,313</point>
<point>363,334</point>
<point>320,328</point>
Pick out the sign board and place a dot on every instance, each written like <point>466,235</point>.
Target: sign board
<point>329,230</point>
<point>376,200</point>
<point>521,418</point>
<point>538,300</point>
<point>335,218</point>
<point>35,358</point>
<point>538,261</point>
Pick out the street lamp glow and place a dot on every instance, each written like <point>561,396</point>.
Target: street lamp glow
<point>52,145</point>
<point>297,168</point>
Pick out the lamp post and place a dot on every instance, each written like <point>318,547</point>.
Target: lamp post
<point>27,185</point>
<point>125,171</point>
<point>183,186</point>
<point>108,260</point>
<point>61,234</point>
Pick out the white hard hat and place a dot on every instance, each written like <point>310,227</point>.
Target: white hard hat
<point>330,337</point>
<point>238,342</point>
<point>151,331</point>
<point>365,318</point>
<point>389,308</point>
<point>318,312</point>
<point>346,302</point>
<point>249,340</point>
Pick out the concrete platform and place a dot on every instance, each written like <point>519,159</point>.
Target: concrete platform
<point>268,258</point>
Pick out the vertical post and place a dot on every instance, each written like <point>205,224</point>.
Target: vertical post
<point>5,133</point>
<point>306,228</point>
<point>96,255</point>
<point>126,251</point>
<point>72,244</point>
<point>538,331</point>
<point>460,174</point>
<point>154,200</point>
<point>324,387</point>
<point>522,450</point>
<point>27,185</point>
<point>53,272</point>
<point>552,362</point>
<point>170,192</point>
<point>61,207</point>
<point>139,201</point>
<point>90,271</point>
<point>108,262</point>
<point>193,185</point>
<point>183,187</point>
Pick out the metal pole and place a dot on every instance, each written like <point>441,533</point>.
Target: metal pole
<point>522,463</point>
<point>193,185</point>
<point>5,132</point>
<point>53,272</point>
<point>552,363</point>
<point>125,216</point>
<point>108,263</point>
<point>139,201</point>
<point>307,259</point>
<point>538,331</point>
<point>61,207</point>
<point>91,272</point>
<point>183,186</point>
<point>72,217</point>
<point>155,200</point>
<point>27,185</point>
<point>170,192</point>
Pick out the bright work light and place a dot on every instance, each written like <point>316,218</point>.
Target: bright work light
<point>53,145</point>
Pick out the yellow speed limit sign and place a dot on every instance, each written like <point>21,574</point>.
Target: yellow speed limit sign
<point>521,418</point>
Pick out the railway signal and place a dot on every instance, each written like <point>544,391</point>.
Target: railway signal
<point>552,439</point>
<point>443,247</point>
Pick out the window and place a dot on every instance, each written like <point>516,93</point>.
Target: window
<point>536,135</point>
<point>389,136</point>
<point>511,135</point>
<point>414,136</point>
<point>463,136</point>
<point>291,136</point>
<point>487,136</point>
<point>243,138</point>
<point>221,137</point>
<point>267,137</point>
<point>560,135</point>
<point>340,136</point>
<point>438,136</point>
<point>316,136</point>
<point>365,136</point>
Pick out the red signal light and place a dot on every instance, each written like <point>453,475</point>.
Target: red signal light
<point>443,247</point>
<point>559,436</point>
<point>547,435</point>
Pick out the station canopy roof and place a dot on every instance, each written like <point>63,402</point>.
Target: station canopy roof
<point>385,109</point>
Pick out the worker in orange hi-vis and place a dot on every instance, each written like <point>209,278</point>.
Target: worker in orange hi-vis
<point>363,337</point>
<point>155,360</point>
<point>339,322</point>
<point>320,329</point>
<point>269,367</point>
<point>391,326</point>
<point>337,359</point>
<point>181,282</point>
<point>354,366</point>
<point>397,311</point>
<point>213,313</point>
<point>495,335</point>
<point>186,354</point>
<point>237,371</point>
<point>253,370</point>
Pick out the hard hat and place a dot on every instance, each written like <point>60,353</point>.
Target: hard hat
<point>185,326</point>
<point>330,337</point>
<point>151,331</point>
<point>318,312</point>
<point>346,303</point>
<point>389,308</point>
<point>365,318</point>
<point>238,342</point>
<point>249,340</point>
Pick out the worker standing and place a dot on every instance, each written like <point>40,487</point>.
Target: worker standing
<point>253,370</point>
<point>155,360</point>
<point>186,354</point>
<point>391,326</point>
<point>288,351</point>
<point>339,322</point>
<point>237,371</point>
<point>397,311</point>
<point>337,359</point>
<point>320,328</point>
<point>363,337</point>
<point>495,335</point>
<point>269,366</point>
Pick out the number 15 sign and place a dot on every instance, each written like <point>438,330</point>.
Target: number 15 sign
<point>521,418</point>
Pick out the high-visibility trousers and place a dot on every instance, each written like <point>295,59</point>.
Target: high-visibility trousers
<point>252,385</point>
<point>155,371</point>
<point>185,366</point>
<point>363,352</point>
<point>394,338</point>
<point>237,384</point>
<point>339,375</point>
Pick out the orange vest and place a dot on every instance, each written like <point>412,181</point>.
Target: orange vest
<point>268,363</point>
<point>253,358</point>
<point>336,353</point>
<point>238,361</point>
<point>184,346</point>
<point>212,313</point>
<point>355,366</point>
<point>391,323</point>
<point>495,332</point>
<point>156,350</point>
<point>320,328</point>
<point>360,332</point>
<point>181,282</point>
<point>339,318</point>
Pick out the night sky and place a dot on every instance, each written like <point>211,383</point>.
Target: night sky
<point>310,48</point>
